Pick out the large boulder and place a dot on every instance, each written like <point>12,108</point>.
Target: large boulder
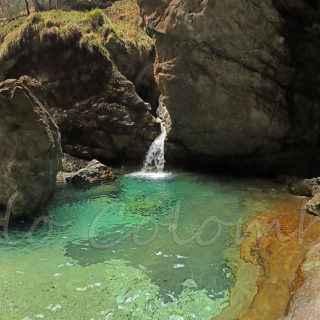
<point>94,172</point>
<point>235,84</point>
<point>30,149</point>
<point>70,165</point>
<point>96,85</point>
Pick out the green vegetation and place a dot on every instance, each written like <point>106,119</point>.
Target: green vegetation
<point>93,30</point>
<point>96,18</point>
<point>125,14</point>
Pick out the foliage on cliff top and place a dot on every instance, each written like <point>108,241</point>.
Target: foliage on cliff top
<point>126,15</point>
<point>94,29</point>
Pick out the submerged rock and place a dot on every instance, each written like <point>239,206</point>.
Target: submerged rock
<point>95,171</point>
<point>29,146</point>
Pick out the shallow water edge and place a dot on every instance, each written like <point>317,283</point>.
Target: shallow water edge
<point>269,268</point>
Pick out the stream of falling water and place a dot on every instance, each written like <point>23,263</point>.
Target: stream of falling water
<point>154,162</point>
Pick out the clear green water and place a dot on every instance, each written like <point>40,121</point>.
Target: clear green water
<point>117,256</point>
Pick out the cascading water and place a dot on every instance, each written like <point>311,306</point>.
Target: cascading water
<point>153,165</point>
<point>154,161</point>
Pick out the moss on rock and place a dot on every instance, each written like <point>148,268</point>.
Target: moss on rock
<point>94,24</point>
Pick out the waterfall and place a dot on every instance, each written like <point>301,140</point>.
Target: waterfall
<point>153,165</point>
<point>154,161</point>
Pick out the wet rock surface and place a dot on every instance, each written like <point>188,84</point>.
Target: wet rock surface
<point>276,251</point>
<point>29,146</point>
<point>313,205</point>
<point>305,303</point>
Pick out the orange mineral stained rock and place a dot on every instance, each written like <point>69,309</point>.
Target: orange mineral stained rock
<point>276,244</point>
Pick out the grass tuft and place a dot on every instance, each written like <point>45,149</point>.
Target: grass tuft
<point>125,14</point>
<point>35,18</point>
<point>96,18</point>
<point>52,23</point>
<point>93,44</point>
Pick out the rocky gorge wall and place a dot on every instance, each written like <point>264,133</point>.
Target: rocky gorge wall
<point>96,76</point>
<point>240,81</point>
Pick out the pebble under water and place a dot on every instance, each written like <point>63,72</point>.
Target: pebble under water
<point>131,249</point>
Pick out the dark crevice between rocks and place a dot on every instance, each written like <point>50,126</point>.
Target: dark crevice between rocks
<point>150,95</point>
<point>302,34</point>
<point>301,162</point>
<point>2,212</point>
<point>145,83</point>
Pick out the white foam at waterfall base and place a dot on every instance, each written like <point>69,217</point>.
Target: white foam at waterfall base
<point>151,175</point>
<point>153,165</point>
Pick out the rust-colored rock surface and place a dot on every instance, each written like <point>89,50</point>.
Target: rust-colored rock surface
<point>275,247</point>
